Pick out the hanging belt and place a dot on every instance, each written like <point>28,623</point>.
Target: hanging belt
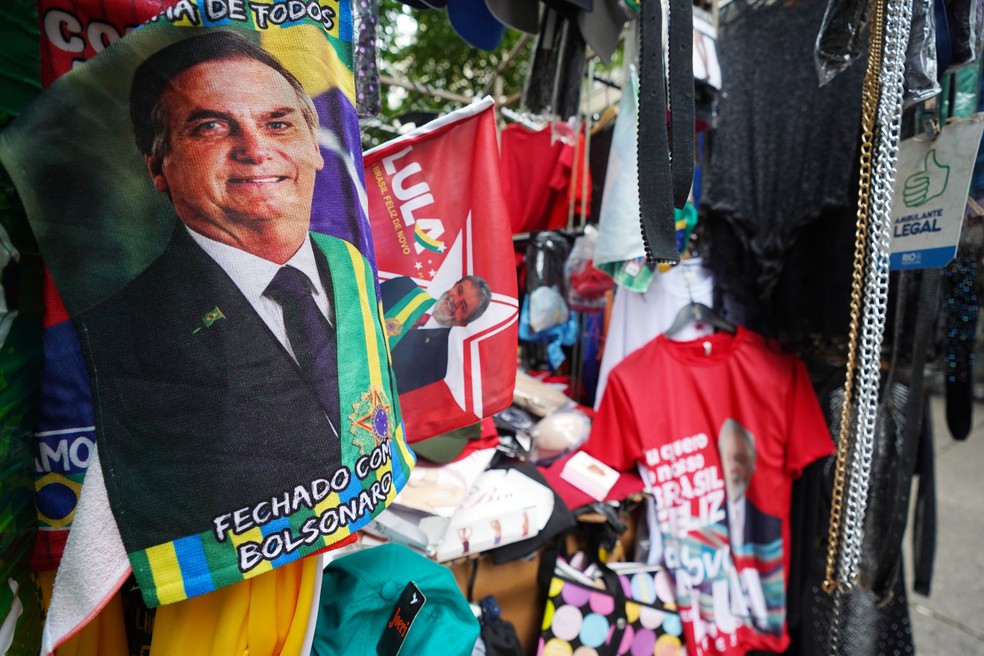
<point>681,65</point>
<point>665,173</point>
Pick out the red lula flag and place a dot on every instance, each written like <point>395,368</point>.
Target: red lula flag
<point>447,280</point>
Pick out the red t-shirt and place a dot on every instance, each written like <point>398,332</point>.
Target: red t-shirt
<point>536,172</point>
<point>720,426</point>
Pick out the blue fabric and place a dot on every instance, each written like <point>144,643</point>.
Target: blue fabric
<point>194,567</point>
<point>977,179</point>
<point>474,23</point>
<point>943,48</point>
<point>556,337</point>
<point>591,339</point>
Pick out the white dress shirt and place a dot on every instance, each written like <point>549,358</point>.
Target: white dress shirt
<point>252,275</point>
<point>736,522</point>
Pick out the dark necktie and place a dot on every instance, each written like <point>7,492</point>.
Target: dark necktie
<point>311,337</point>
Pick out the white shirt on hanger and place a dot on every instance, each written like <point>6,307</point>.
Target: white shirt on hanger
<point>637,318</point>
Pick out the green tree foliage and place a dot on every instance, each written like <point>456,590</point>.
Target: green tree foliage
<point>422,47</point>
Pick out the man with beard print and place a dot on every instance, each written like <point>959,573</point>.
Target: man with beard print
<point>419,327</point>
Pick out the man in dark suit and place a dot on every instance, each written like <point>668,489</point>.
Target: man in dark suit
<point>215,368</point>
<point>419,326</point>
<point>755,536</point>
<point>747,524</point>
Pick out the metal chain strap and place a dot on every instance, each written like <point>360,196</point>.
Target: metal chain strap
<point>837,618</point>
<point>875,302</point>
<point>869,108</point>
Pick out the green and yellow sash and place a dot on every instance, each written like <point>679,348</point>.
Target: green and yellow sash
<point>403,315</point>
<point>373,450</point>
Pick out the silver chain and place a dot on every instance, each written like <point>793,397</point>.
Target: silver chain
<point>836,622</point>
<point>896,37</point>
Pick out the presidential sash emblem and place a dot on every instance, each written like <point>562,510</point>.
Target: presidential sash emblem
<point>370,420</point>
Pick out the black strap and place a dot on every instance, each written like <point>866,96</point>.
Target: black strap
<point>882,570</point>
<point>618,618</point>
<point>472,576</point>
<point>548,562</point>
<point>924,515</point>
<point>681,67</point>
<point>595,537</point>
<point>661,186</point>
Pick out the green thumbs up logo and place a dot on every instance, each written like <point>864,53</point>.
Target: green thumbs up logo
<point>927,183</point>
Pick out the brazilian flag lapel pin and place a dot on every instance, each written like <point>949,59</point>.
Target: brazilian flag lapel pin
<point>210,317</point>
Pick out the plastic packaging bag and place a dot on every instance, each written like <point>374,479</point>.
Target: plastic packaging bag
<point>546,256</point>
<point>537,397</point>
<point>559,434</point>
<point>979,34</point>
<point>840,40</point>
<point>921,69</point>
<point>547,309</point>
<point>965,31</point>
<point>586,285</point>
<point>514,425</point>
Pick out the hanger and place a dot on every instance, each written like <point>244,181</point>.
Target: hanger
<point>697,312</point>
<point>694,311</point>
<point>565,132</point>
<point>609,114</point>
<point>527,120</point>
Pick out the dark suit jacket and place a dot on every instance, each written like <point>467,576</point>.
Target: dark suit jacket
<point>421,356</point>
<point>393,290</point>
<point>761,528</point>
<point>196,421</point>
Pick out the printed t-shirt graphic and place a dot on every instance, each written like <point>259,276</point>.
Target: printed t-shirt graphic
<point>721,426</point>
<point>233,438</point>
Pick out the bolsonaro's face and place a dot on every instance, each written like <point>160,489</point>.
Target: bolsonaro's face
<point>239,151</point>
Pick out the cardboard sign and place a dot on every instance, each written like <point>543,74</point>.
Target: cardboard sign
<point>930,194</point>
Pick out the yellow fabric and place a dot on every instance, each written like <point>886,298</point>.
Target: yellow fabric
<point>166,571</point>
<point>262,616</point>
<point>105,635</point>
<point>312,59</point>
